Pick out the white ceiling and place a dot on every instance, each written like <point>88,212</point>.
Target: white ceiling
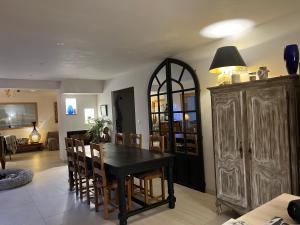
<point>104,39</point>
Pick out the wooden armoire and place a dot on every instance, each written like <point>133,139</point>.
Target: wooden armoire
<point>256,141</point>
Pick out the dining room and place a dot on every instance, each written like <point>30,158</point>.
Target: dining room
<point>171,112</point>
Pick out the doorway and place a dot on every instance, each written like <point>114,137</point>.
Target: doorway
<point>174,112</point>
<point>124,111</point>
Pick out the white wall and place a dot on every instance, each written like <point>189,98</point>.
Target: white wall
<point>81,86</point>
<point>45,102</point>
<point>74,122</point>
<point>139,81</point>
<point>33,84</point>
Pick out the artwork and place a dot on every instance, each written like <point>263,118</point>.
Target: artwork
<point>71,107</point>
<point>103,110</point>
<point>17,115</point>
<point>55,112</point>
<point>89,115</point>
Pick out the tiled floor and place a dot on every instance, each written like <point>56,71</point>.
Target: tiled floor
<point>47,201</point>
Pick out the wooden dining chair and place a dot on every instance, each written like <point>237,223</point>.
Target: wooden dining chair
<point>120,139</point>
<point>191,143</point>
<point>84,174</point>
<point>135,141</point>
<point>103,185</point>
<point>72,163</point>
<point>156,145</point>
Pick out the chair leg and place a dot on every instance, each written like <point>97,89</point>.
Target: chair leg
<point>88,190</point>
<point>129,194</point>
<point>151,188</point>
<point>76,182</point>
<point>106,203</point>
<point>80,187</point>
<point>96,191</point>
<point>146,191</point>
<point>132,184</point>
<point>141,185</point>
<point>163,195</point>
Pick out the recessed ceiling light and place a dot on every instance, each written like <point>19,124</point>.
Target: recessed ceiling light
<point>60,44</point>
<point>227,28</point>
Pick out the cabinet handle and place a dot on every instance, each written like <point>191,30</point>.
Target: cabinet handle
<point>241,150</point>
<point>250,153</point>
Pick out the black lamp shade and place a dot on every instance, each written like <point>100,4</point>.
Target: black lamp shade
<point>227,56</point>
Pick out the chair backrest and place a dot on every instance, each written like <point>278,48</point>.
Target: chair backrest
<point>81,158</point>
<point>157,143</point>
<point>191,143</point>
<point>97,156</point>
<point>135,141</point>
<point>119,139</point>
<point>71,156</point>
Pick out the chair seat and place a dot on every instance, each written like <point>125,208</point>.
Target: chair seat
<point>112,182</point>
<point>153,173</point>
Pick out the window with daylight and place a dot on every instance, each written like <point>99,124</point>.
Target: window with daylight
<point>71,107</point>
<point>89,114</point>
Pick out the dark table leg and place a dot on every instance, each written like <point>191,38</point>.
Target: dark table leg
<point>71,181</point>
<point>171,197</point>
<point>122,201</point>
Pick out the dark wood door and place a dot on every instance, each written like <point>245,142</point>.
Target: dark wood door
<point>174,112</point>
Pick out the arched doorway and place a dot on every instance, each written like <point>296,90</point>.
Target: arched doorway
<point>174,111</point>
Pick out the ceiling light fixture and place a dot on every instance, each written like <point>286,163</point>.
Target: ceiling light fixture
<point>227,28</point>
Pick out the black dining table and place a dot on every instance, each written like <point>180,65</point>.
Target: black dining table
<point>121,161</point>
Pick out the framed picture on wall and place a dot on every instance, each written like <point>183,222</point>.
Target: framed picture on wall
<point>103,110</point>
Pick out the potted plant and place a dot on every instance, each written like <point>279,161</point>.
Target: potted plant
<point>96,128</point>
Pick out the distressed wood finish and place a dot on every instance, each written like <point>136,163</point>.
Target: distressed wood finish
<point>229,154</point>
<point>269,143</point>
<point>256,141</point>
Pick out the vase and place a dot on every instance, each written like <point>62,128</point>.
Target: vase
<point>70,110</point>
<point>291,57</point>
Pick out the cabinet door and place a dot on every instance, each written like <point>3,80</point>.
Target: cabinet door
<point>228,146</point>
<point>268,143</point>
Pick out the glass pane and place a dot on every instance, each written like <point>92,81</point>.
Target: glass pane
<point>164,120</point>
<point>191,143</point>
<point>161,75</point>
<point>176,71</point>
<point>155,124</point>
<point>187,80</point>
<point>189,101</point>
<point>177,123</point>
<point>179,142</point>
<point>190,122</point>
<point>177,101</point>
<point>176,86</point>
<point>163,88</point>
<point>154,86</point>
<point>163,105</point>
<point>154,104</point>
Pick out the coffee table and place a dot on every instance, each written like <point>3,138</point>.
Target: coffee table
<point>274,208</point>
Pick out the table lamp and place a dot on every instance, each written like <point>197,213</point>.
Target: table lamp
<point>34,136</point>
<point>226,60</point>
